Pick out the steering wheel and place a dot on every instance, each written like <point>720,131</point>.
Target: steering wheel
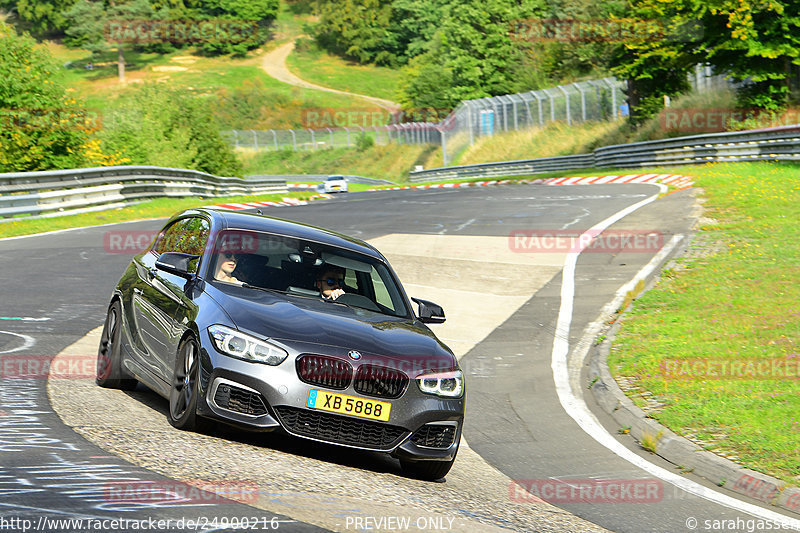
<point>358,300</point>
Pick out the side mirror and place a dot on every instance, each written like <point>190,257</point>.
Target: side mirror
<point>429,312</point>
<point>176,263</point>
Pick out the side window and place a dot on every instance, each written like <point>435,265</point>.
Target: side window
<point>187,235</point>
<point>381,292</point>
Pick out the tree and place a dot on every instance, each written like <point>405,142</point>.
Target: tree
<point>254,13</point>
<point>42,17</point>
<point>754,41</point>
<point>356,29</point>
<point>474,50</point>
<point>91,24</point>
<point>156,125</point>
<point>42,127</point>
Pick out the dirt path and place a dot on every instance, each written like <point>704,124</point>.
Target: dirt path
<point>274,64</point>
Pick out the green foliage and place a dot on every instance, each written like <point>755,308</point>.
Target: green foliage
<point>155,125</point>
<point>364,142</point>
<point>750,40</point>
<point>42,17</point>
<point>425,85</point>
<point>42,128</point>
<point>356,29</point>
<point>261,11</point>
<point>473,54</point>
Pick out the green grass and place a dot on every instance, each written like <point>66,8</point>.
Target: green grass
<point>392,162</point>
<point>283,106</point>
<point>158,208</point>
<point>735,297</point>
<point>317,66</point>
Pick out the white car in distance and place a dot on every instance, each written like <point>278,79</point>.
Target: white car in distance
<point>334,183</point>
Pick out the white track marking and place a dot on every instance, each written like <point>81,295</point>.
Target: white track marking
<point>579,412</point>
<point>27,342</point>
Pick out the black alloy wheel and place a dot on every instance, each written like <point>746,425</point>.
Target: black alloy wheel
<point>109,371</point>
<point>185,389</point>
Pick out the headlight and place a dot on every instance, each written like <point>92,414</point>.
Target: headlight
<point>447,384</point>
<point>237,344</point>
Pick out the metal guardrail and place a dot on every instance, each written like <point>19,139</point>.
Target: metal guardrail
<point>53,193</point>
<point>321,177</point>
<point>771,144</point>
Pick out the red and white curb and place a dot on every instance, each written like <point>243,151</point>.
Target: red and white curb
<point>284,202</point>
<point>676,181</point>
<point>673,180</point>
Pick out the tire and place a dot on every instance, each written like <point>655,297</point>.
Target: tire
<point>109,372</point>
<point>185,389</point>
<point>427,470</point>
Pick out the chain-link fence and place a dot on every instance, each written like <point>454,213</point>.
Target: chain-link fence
<point>574,103</point>
<point>593,100</point>
<point>578,102</point>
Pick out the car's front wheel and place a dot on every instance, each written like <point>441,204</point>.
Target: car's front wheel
<point>185,389</point>
<point>427,470</point>
<point>109,372</point>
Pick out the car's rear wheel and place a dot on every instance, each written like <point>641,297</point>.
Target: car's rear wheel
<point>427,470</point>
<point>109,371</point>
<point>185,389</point>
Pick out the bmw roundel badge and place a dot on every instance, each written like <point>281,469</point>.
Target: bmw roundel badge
<point>354,355</point>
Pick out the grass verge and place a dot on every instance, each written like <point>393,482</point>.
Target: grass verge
<point>733,299</point>
<point>158,208</point>
<point>317,66</point>
<point>391,162</point>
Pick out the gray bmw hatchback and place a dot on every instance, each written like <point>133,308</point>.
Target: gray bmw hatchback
<point>267,324</point>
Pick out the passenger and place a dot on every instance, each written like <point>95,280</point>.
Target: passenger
<point>330,281</point>
<point>226,264</point>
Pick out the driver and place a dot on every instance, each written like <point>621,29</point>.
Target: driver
<point>330,281</point>
<point>226,264</point>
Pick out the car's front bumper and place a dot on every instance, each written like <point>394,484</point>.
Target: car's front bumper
<point>420,426</point>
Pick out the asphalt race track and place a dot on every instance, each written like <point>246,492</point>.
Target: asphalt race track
<point>70,450</point>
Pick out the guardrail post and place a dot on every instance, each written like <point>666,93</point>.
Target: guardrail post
<point>255,139</point>
<point>330,134</point>
<point>275,139</point>
<point>294,140</point>
<point>313,142</point>
<point>348,136</point>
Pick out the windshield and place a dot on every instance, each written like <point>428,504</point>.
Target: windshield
<point>304,268</point>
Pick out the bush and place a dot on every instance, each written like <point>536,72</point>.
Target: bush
<point>364,142</point>
<point>42,127</point>
<point>156,125</point>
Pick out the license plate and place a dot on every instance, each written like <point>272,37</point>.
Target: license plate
<point>348,405</point>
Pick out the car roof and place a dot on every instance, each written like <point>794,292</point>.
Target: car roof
<point>224,219</point>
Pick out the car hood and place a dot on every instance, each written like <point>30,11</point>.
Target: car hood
<point>300,322</point>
